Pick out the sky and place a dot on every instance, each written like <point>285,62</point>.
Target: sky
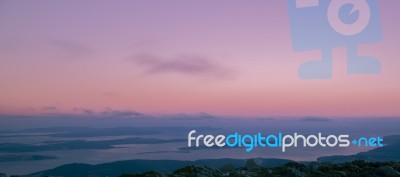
<point>221,57</point>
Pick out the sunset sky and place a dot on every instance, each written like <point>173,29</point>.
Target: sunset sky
<point>222,57</point>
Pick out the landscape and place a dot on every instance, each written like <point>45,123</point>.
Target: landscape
<point>206,88</point>
<point>103,146</point>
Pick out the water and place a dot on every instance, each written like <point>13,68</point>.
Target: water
<point>171,151</point>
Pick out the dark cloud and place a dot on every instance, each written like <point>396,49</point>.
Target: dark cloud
<point>316,119</point>
<point>84,111</point>
<point>193,65</point>
<point>122,114</point>
<point>108,113</point>
<point>49,108</point>
<point>191,117</point>
<point>71,48</point>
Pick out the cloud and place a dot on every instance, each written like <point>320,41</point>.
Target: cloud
<point>84,111</point>
<point>191,117</point>
<point>192,65</point>
<point>121,114</point>
<point>71,48</point>
<point>316,119</point>
<point>49,108</point>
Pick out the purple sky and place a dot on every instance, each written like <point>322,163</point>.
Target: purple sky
<point>223,57</point>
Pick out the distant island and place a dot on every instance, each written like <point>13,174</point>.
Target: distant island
<point>357,168</point>
<point>383,161</point>
<point>15,157</point>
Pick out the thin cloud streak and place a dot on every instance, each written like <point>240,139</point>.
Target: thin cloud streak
<point>192,65</point>
<point>71,47</point>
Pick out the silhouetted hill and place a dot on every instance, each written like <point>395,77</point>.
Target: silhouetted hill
<point>332,165</point>
<point>292,169</point>
<point>140,166</point>
<point>389,152</point>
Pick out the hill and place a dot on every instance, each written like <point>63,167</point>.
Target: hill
<point>140,166</point>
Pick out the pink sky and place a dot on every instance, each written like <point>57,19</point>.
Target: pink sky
<point>222,57</point>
